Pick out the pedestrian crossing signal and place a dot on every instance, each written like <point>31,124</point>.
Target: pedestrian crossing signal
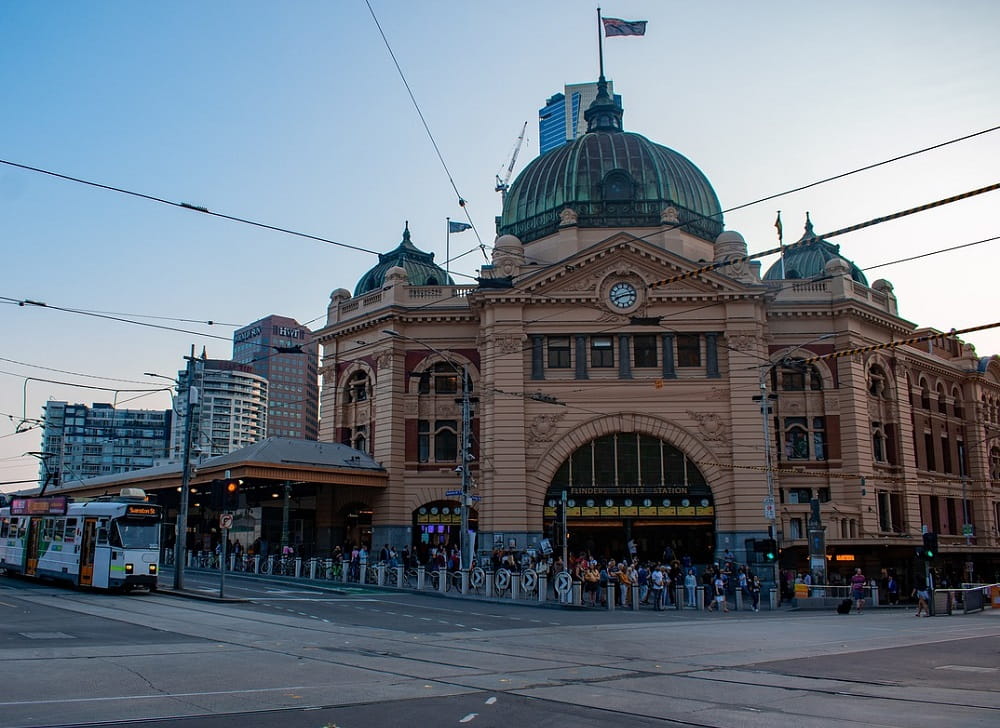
<point>930,547</point>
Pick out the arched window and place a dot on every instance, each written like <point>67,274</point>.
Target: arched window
<point>878,442</point>
<point>878,382</point>
<point>956,395</point>
<point>617,186</point>
<point>942,401</point>
<point>358,387</point>
<point>995,463</point>
<point>925,396</point>
<point>795,375</point>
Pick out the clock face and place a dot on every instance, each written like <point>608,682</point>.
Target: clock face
<point>622,295</point>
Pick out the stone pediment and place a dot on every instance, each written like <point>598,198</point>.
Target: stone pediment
<point>625,258</point>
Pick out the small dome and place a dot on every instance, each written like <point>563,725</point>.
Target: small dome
<point>420,268</point>
<point>809,260</point>
<point>609,178</point>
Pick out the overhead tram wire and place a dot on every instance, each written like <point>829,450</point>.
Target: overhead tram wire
<point>813,239</point>
<point>462,202</point>
<point>187,206</point>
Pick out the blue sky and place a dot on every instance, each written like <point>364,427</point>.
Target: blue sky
<point>294,115</point>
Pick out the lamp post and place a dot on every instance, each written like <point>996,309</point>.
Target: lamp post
<point>180,536</point>
<point>770,511</point>
<point>465,542</point>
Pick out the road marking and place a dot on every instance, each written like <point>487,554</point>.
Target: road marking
<point>469,718</point>
<point>967,668</point>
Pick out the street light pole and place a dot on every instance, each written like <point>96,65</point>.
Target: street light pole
<point>465,543</point>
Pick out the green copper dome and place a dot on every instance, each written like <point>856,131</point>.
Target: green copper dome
<point>421,270</point>
<point>610,178</point>
<point>809,261</point>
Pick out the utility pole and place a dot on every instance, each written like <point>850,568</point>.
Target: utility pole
<point>465,541</point>
<point>180,541</point>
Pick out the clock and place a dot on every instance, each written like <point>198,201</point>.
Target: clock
<point>623,295</point>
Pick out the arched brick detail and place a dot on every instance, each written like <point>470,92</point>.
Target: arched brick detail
<point>686,442</point>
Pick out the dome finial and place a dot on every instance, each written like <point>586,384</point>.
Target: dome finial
<point>604,113</point>
<point>406,231</point>
<point>809,225</point>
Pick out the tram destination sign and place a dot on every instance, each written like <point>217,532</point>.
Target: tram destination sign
<point>48,506</point>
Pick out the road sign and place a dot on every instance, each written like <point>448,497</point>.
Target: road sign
<point>475,498</point>
<point>453,492</point>
<point>769,512</point>
<point>225,520</point>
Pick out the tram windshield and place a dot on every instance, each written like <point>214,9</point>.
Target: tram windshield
<point>135,534</point>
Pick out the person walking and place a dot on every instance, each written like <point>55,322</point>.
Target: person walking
<point>858,582</point>
<point>720,596</point>
<point>755,592</point>
<point>923,600</point>
<point>690,586</point>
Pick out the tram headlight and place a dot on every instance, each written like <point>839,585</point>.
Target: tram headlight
<point>152,569</point>
<point>129,569</point>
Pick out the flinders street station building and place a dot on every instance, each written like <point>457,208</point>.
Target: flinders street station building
<point>623,364</point>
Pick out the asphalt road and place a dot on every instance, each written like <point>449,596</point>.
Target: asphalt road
<point>295,656</point>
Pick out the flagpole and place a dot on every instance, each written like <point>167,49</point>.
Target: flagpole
<point>600,43</point>
<point>781,244</point>
<point>447,247</point>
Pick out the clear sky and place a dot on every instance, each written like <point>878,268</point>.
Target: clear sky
<point>293,114</point>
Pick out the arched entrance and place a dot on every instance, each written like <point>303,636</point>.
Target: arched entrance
<point>437,525</point>
<point>633,492</point>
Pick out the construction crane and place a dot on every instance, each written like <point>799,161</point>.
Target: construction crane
<point>502,182</point>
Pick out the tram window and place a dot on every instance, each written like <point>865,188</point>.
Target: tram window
<point>4,527</point>
<point>136,534</point>
<point>60,527</point>
<point>70,534</point>
<point>102,532</point>
<point>47,528</point>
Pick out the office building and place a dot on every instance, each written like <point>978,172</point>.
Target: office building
<point>561,119</point>
<point>281,350</point>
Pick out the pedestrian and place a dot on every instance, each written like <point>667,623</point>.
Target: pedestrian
<point>892,587</point>
<point>923,600</point>
<point>690,586</point>
<point>657,577</point>
<point>755,592</point>
<point>858,582</point>
<point>719,587</point>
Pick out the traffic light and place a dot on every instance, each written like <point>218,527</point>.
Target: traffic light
<point>929,550</point>
<point>231,493</point>
<point>767,547</point>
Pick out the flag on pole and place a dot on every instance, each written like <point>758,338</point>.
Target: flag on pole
<point>458,227</point>
<point>617,26</point>
<point>777,224</point>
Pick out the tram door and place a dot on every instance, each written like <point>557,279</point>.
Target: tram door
<point>88,547</point>
<point>31,546</point>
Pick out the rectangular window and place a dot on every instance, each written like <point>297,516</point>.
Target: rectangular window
<point>689,350</point>
<point>929,450</point>
<point>796,439</point>
<point>446,382</point>
<point>559,352</point>
<point>644,350</point>
<point>945,454</point>
<point>602,352</point>
<point>423,441</point>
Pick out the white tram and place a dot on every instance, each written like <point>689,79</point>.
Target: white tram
<point>109,542</point>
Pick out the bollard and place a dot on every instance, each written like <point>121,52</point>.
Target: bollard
<point>312,568</point>
<point>399,576</point>
<point>515,586</point>
<point>298,567</point>
<point>679,596</point>
<point>610,596</point>
<point>256,563</point>
<point>380,574</point>
<point>345,566</point>
<point>635,597</point>
<point>577,592</point>
<point>442,580</point>
<point>739,600</point>
<point>699,597</point>
<point>543,587</point>
<point>421,574</point>
<point>773,597</point>
<point>489,583</point>
<point>465,582</point>
<point>874,588</point>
